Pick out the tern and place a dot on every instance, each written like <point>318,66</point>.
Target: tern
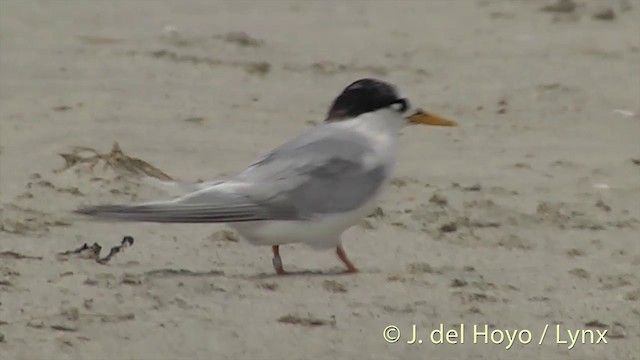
<point>308,190</point>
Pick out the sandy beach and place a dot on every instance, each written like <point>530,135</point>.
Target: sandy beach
<point>523,222</point>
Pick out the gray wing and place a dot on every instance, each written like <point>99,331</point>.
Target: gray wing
<point>319,172</point>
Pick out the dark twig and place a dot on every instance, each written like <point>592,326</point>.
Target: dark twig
<point>93,251</point>
<point>15,255</point>
<point>126,242</point>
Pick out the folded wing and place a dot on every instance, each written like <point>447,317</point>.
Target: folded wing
<point>320,172</point>
<point>205,206</point>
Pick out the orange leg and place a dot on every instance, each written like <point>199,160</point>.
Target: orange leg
<point>277,262</point>
<point>343,256</point>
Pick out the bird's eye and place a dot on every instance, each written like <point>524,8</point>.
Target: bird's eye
<point>400,105</point>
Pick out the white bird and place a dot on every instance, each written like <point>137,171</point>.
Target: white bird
<point>308,190</point>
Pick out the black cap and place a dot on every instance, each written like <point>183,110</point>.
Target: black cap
<point>363,96</point>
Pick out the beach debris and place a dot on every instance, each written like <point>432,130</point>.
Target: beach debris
<point>116,159</point>
<point>173,36</point>
<point>449,227</point>
<point>575,252</point>
<point>474,187</point>
<point>251,67</point>
<point>267,286</point>
<point>596,323</point>
<point>439,199</point>
<point>419,268</point>
<point>308,321</point>
<point>182,272</point>
<point>632,295</point>
<point>257,67</point>
<point>240,38</point>
<point>35,324</point>
<point>18,256</point>
<point>560,6</point>
<point>377,213</point>
<point>502,106</point>
<point>625,113</point>
<point>457,282</point>
<point>224,235</point>
<point>93,251</point>
<point>64,327</point>
<point>334,286</point>
<point>170,32</point>
<point>67,319</point>
<point>617,331</point>
<point>581,273</point>
<point>606,14</point>
<point>195,120</point>
<point>603,206</point>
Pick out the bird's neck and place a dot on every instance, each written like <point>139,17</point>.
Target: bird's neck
<point>380,128</point>
<point>384,122</point>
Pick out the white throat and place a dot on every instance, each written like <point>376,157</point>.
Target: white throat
<point>384,122</point>
<point>382,128</point>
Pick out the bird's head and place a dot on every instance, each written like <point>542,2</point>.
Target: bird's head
<point>370,95</point>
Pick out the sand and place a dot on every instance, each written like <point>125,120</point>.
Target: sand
<point>524,217</point>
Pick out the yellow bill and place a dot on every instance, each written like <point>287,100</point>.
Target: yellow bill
<point>423,117</point>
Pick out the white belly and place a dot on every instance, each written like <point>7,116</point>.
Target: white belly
<point>320,233</point>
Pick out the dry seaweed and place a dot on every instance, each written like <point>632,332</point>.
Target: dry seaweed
<point>116,159</point>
